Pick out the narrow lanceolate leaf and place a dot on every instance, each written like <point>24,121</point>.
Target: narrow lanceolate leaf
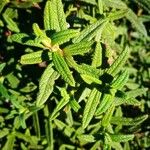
<point>136,22</point>
<point>11,24</point>
<point>100,6</point>
<point>37,31</point>
<point>121,137</point>
<point>128,121</point>
<point>88,33</point>
<point>25,39</point>
<point>90,107</point>
<point>41,36</point>
<point>78,49</point>
<point>127,101</point>
<point>2,66</point>
<point>59,106</point>
<point>36,57</point>
<point>67,130</point>
<point>89,70</point>
<point>115,4</point>
<point>4,91</point>
<point>84,69</point>
<point>105,102</point>
<point>3,3</point>
<point>62,68</point>
<point>9,143</point>
<point>86,138</point>
<point>97,58</point>
<point>63,36</point>
<point>121,80</point>
<point>136,92</point>
<point>4,132</point>
<point>54,17</point>
<point>119,62</point>
<point>118,14</point>
<point>50,13</point>
<point>107,117</point>
<point>90,79</point>
<point>74,105</point>
<point>46,85</point>
<point>89,74</point>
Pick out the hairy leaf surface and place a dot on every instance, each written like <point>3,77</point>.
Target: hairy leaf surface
<point>46,85</point>
<point>90,107</point>
<point>54,17</point>
<point>63,68</point>
<point>36,57</point>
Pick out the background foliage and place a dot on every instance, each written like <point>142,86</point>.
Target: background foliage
<point>74,74</point>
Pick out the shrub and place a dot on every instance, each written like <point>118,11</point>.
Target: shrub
<point>72,81</point>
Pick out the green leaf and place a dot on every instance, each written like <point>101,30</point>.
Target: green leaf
<point>66,146</point>
<point>41,36</point>
<point>74,105</point>
<point>110,30</point>
<point>136,22</point>
<point>2,66</point>
<point>4,132</point>
<point>60,105</point>
<point>9,143</point>
<point>36,57</point>
<point>107,117</point>
<point>25,137</point>
<point>89,70</point>
<point>100,6</point>
<point>37,30</point>
<point>62,68</point>
<point>63,36</point>
<point>105,102</point>
<point>115,4</point>
<point>121,138</point>
<point>68,131</point>
<point>96,145</point>
<point>127,101</point>
<point>89,32</point>
<point>117,14</point>
<point>121,80</point>
<point>25,39</point>
<point>86,138</point>
<point>119,62</point>
<point>136,92</point>
<point>4,91</point>
<point>78,49</point>
<point>3,3</point>
<point>8,16</point>
<point>97,58</point>
<point>128,121</point>
<point>90,107</point>
<point>90,79</point>
<point>46,85</point>
<point>54,17</point>
<point>13,80</point>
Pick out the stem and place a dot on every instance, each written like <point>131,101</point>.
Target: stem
<point>48,129</point>
<point>36,125</point>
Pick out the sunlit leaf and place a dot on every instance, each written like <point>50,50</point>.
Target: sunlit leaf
<point>62,68</point>
<point>46,85</point>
